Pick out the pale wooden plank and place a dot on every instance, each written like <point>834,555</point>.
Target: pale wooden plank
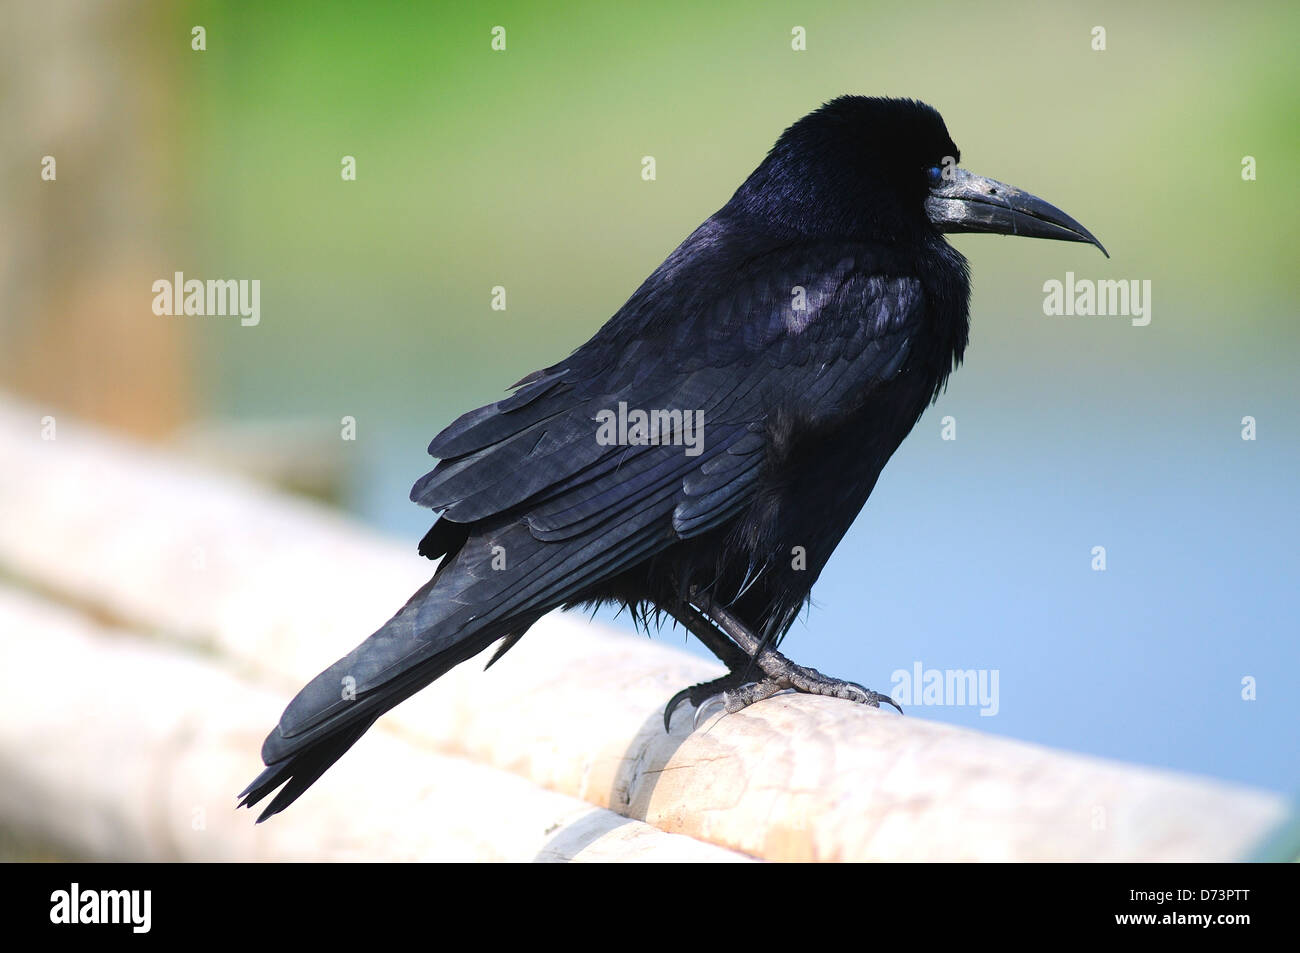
<point>133,750</point>
<point>283,588</point>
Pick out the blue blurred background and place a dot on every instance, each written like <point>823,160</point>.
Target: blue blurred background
<point>522,168</point>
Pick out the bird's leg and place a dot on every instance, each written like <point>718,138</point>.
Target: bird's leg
<point>780,672</point>
<point>717,642</point>
<point>721,646</point>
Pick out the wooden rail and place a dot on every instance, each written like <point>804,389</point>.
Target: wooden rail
<point>157,617</point>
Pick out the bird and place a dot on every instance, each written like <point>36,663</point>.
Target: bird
<point>702,455</point>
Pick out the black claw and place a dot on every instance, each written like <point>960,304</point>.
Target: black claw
<point>673,702</point>
<point>875,698</point>
<point>698,694</point>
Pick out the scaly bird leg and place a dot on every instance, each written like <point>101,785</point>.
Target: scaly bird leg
<point>780,672</point>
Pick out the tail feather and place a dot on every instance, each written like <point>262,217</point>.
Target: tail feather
<point>301,756</point>
<point>463,609</point>
<point>430,635</point>
<point>300,770</point>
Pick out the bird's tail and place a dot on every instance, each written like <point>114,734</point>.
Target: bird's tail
<point>430,635</point>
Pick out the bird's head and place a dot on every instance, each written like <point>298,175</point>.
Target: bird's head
<point>886,170</point>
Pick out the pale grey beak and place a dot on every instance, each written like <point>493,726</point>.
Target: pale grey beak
<point>971,203</point>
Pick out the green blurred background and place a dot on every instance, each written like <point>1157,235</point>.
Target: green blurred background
<point>522,168</point>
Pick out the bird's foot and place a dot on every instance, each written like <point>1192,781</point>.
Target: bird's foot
<point>784,674</point>
<point>738,692</point>
<point>699,695</point>
<point>807,681</point>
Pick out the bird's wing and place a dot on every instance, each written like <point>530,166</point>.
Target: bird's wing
<point>779,336</point>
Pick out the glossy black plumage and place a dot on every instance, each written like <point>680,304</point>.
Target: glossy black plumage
<point>802,407</point>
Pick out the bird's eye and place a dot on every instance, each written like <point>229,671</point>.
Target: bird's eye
<point>934,176</point>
